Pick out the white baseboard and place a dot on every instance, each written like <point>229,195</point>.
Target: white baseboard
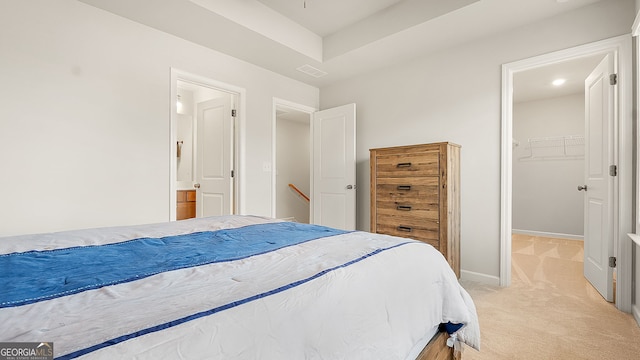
<point>478,277</point>
<point>635,309</point>
<point>548,234</point>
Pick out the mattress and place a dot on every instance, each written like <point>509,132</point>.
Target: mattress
<point>232,287</point>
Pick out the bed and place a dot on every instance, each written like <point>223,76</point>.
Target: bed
<point>232,287</point>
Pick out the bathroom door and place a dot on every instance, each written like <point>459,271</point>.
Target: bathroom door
<point>214,158</point>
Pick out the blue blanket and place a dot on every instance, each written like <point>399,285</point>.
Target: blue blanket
<point>33,276</point>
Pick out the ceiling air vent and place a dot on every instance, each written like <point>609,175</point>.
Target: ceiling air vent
<point>310,70</point>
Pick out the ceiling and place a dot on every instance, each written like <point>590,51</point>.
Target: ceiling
<point>337,39</point>
<point>325,17</point>
<point>535,84</point>
<point>294,115</point>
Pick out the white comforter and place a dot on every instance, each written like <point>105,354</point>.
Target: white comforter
<point>329,299</point>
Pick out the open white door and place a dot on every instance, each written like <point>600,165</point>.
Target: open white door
<point>333,197</point>
<point>214,158</point>
<point>598,187</point>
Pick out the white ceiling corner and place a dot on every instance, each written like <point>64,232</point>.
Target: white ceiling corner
<point>325,17</point>
<point>264,20</point>
<point>343,38</point>
<point>392,20</point>
<point>324,29</point>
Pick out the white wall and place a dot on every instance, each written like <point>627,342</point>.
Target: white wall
<point>545,195</point>
<point>454,95</point>
<point>292,161</point>
<point>84,129</point>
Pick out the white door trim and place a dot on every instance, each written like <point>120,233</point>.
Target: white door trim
<point>294,106</point>
<point>621,48</point>
<point>239,133</point>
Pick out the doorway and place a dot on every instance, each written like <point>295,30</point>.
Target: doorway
<point>291,181</point>
<point>293,164</point>
<point>549,148</point>
<point>204,142</point>
<point>619,48</point>
<point>332,164</point>
<point>548,165</point>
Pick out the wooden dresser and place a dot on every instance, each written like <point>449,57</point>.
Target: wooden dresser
<point>415,194</point>
<point>186,204</point>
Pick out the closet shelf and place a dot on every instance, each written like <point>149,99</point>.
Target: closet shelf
<point>570,147</point>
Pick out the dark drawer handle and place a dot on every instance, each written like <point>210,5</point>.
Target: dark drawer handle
<point>404,228</point>
<point>404,187</point>
<point>403,165</point>
<point>403,207</point>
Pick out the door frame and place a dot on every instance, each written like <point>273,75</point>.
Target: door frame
<point>298,107</point>
<point>620,47</point>
<point>239,181</point>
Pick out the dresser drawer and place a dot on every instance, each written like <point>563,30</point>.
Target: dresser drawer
<point>409,226</point>
<point>424,189</point>
<point>408,210</point>
<point>403,165</point>
<point>415,235</point>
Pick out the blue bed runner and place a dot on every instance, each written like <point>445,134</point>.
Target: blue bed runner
<point>33,276</point>
<point>230,305</point>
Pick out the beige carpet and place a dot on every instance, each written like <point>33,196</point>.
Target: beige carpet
<point>550,311</point>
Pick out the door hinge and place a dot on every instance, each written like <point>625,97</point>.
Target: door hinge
<point>613,170</point>
<point>613,79</point>
<point>233,113</point>
<point>612,261</point>
<point>232,173</point>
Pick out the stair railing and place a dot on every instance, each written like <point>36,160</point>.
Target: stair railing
<point>299,192</point>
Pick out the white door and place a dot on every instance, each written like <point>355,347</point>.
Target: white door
<point>333,197</point>
<point>598,187</point>
<point>214,158</point>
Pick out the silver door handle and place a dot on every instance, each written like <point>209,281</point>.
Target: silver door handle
<point>197,186</point>
<point>349,187</point>
<point>582,187</point>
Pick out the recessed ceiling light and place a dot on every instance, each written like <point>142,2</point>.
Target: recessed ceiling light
<point>558,82</point>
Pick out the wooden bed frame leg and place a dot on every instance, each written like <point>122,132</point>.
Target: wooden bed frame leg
<point>437,349</point>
